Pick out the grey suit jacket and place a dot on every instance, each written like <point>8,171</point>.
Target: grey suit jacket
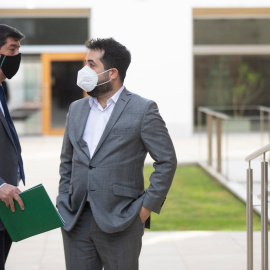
<point>8,157</point>
<point>113,176</point>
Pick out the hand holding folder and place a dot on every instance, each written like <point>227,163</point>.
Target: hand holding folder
<point>39,215</point>
<point>8,194</point>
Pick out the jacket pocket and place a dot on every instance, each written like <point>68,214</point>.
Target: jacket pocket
<point>125,191</point>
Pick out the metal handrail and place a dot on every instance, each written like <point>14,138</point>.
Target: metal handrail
<point>210,114</point>
<point>264,209</point>
<point>220,117</point>
<point>214,113</point>
<point>258,153</point>
<point>264,108</point>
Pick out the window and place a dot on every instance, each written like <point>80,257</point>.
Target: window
<point>51,31</point>
<point>231,31</point>
<point>231,58</point>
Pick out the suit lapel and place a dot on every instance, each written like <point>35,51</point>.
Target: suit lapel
<point>117,111</point>
<point>80,123</point>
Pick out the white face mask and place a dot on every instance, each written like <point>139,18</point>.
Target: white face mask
<point>87,78</point>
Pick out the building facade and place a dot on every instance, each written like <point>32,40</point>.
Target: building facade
<point>184,55</point>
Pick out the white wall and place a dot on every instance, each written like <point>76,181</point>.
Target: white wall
<point>159,35</point>
<point>161,54</point>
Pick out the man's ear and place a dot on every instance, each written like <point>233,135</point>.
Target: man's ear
<point>114,73</point>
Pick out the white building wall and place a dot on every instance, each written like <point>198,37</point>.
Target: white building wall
<point>159,36</point>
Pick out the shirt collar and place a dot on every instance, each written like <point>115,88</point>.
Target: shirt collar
<point>114,98</point>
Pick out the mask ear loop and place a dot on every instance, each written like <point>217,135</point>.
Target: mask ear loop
<point>102,73</point>
<point>103,83</point>
<point>2,61</point>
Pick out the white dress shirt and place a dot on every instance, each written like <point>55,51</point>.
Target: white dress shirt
<point>97,120</point>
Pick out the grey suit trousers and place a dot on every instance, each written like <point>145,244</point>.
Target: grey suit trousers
<point>87,247</point>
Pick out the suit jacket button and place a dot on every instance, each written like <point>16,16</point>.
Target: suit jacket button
<point>90,167</point>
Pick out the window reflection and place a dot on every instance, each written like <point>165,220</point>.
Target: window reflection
<point>231,31</point>
<point>236,80</point>
<point>51,31</point>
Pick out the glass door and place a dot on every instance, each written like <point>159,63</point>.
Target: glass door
<point>59,88</point>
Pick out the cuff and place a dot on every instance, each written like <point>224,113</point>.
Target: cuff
<point>2,185</point>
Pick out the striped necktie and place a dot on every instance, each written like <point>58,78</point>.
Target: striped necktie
<point>12,131</point>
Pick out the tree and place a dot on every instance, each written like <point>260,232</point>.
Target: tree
<point>249,85</point>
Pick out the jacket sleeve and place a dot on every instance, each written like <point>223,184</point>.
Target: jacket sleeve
<point>158,143</point>
<point>66,162</point>
<point>2,181</point>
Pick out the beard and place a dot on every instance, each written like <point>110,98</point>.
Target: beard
<point>101,89</point>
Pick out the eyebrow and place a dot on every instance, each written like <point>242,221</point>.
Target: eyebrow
<point>14,45</point>
<point>90,61</point>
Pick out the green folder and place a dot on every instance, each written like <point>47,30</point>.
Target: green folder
<point>39,215</point>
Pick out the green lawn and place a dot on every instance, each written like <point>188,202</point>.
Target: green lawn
<point>198,202</point>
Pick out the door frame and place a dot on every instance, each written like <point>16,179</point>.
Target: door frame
<point>46,59</point>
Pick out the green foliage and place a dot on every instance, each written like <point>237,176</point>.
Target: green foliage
<point>249,85</point>
<point>225,88</point>
<point>198,202</point>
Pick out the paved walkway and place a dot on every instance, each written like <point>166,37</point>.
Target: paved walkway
<point>184,250</point>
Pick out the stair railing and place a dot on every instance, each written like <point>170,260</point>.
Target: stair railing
<point>264,208</point>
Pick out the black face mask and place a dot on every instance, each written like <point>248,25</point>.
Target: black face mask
<point>10,64</point>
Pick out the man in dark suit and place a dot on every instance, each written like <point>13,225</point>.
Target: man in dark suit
<point>102,197</point>
<point>11,166</point>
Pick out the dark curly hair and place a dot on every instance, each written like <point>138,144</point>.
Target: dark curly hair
<point>115,54</point>
<point>7,31</point>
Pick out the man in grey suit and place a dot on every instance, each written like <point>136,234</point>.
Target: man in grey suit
<point>11,166</point>
<point>102,197</point>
